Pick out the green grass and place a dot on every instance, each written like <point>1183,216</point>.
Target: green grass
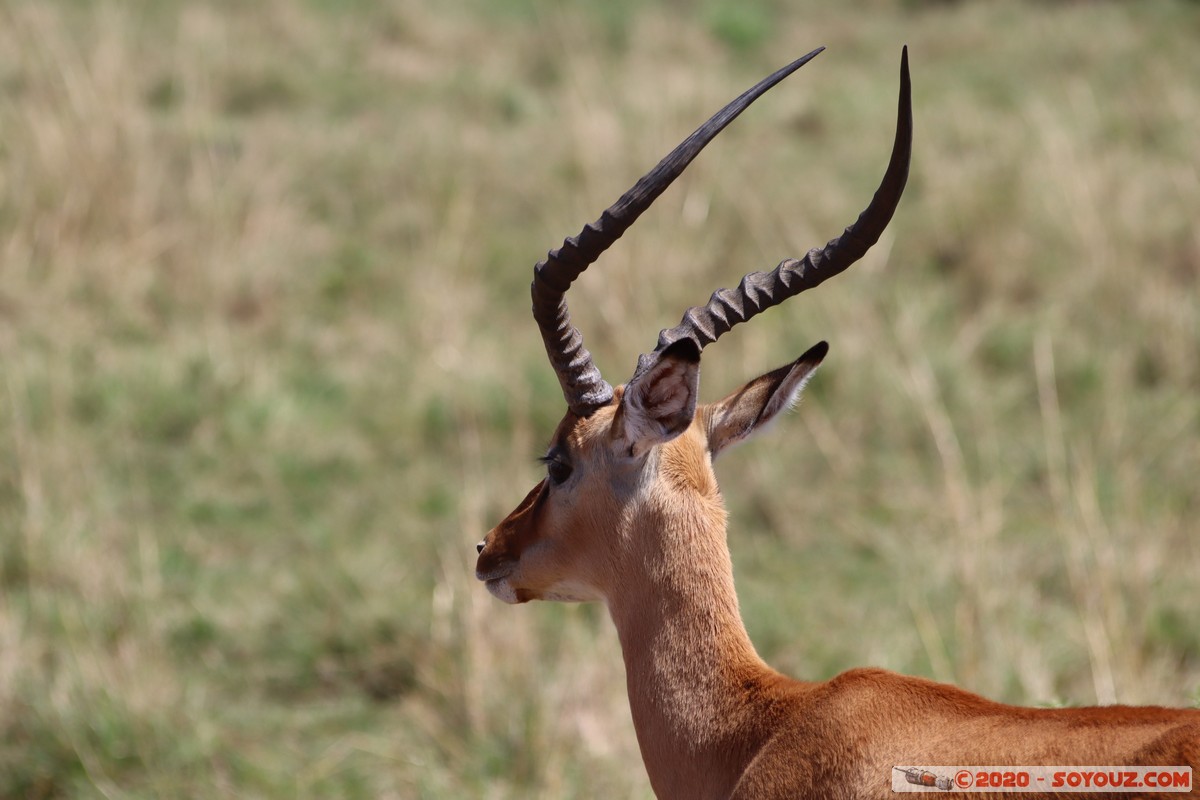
<point>267,370</point>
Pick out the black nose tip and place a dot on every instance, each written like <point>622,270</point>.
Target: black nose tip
<point>479,547</point>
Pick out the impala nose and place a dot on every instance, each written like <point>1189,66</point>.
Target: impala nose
<point>479,547</point>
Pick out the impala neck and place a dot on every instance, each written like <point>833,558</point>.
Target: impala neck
<point>691,670</point>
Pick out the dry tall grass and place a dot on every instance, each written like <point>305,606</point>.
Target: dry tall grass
<point>268,371</point>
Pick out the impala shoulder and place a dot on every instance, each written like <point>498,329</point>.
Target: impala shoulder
<point>878,691</point>
<point>867,682</point>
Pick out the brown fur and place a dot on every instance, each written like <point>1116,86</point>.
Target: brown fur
<point>648,537</point>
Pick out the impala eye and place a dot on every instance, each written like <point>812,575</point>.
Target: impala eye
<point>557,465</point>
<point>558,471</point>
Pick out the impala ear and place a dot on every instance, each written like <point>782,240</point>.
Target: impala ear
<point>660,403</point>
<point>758,402</point>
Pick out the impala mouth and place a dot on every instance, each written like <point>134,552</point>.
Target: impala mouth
<point>496,578</point>
<point>494,574</point>
<point>501,589</point>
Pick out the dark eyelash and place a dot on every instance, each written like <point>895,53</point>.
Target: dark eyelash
<point>545,460</point>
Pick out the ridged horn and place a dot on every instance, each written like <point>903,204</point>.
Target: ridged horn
<point>759,291</point>
<point>583,387</point>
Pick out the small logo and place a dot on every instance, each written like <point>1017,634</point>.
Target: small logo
<point>923,777</point>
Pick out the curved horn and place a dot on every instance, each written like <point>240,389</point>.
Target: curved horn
<point>758,291</point>
<point>583,387</point>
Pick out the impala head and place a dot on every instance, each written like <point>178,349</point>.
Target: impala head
<point>624,463</point>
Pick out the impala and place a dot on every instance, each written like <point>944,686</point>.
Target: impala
<point>629,514</point>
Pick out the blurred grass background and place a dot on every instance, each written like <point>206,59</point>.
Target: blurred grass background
<point>267,369</point>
